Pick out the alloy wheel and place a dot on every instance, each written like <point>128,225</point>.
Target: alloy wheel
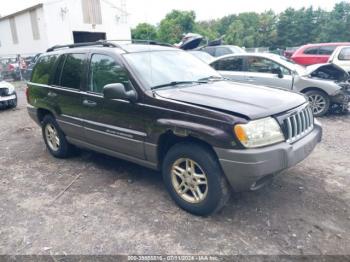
<point>317,103</point>
<point>189,180</point>
<point>52,137</point>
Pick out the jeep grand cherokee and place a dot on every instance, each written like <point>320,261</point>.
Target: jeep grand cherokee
<point>164,109</point>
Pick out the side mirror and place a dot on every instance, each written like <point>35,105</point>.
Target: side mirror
<point>118,91</point>
<point>278,72</point>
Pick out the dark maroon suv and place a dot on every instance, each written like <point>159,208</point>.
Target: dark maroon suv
<point>164,109</point>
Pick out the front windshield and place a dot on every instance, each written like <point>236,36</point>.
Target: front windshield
<point>158,68</point>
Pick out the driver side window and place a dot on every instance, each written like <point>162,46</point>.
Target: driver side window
<point>105,70</point>
<point>263,65</point>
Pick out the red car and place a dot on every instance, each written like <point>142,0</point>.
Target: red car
<point>315,53</point>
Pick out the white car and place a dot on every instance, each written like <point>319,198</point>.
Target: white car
<point>8,95</point>
<point>341,57</point>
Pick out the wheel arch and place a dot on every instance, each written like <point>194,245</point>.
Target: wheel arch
<point>312,88</point>
<point>41,113</point>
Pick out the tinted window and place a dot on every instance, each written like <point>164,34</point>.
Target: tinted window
<point>311,51</point>
<point>263,65</point>
<point>57,76</point>
<point>72,72</point>
<point>230,64</point>
<point>344,54</point>
<point>43,69</point>
<point>220,51</point>
<point>326,50</point>
<point>105,70</point>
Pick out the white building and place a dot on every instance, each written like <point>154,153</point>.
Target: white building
<point>56,22</point>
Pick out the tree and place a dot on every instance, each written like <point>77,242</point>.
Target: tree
<point>175,24</point>
<point>144,31</point>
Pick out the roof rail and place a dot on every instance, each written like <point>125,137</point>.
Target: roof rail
<point>100,42</point>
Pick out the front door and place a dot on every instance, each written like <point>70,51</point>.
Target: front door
<point>116,124</point>
<point>231,68</point>
<point>263,71</point>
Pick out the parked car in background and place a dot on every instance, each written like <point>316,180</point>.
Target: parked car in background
<point>324,84</point>
<point>220,50</point>
<point>205,57</point>
<point>315,53</point>
<point>30,64</point>
<point>12,67</point>
<point>164,109</point>
<point>341,57</point>
<point>8,95</point>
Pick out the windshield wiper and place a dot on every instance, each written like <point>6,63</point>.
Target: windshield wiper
<point>174,83</point>
<point>212,78</point>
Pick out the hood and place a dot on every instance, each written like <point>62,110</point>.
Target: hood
<point>328,72</point>
<point>190,41</point>
<point>244,99</point>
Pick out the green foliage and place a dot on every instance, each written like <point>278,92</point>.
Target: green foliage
<point>144,31</point>
<point>290,28</point>
<point>175,24</point>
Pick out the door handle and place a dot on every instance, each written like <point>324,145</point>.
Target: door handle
<point>51,94</point>
<point>89,103</point>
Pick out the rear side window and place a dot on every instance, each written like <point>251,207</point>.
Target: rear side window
<point>72,72</point>
<point>105,70</point>
<point>311,51</point>
<point>344,54</point>
<point>209,50</point>
<point>229,64</point>
<point>42,71</point>
<point>326,50</point>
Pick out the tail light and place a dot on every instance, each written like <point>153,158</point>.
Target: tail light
<point>11,67</point>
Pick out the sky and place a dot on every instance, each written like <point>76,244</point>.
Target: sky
<point>152,11</point>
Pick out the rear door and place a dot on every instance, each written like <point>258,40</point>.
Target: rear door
<point>263,71</point>
<point>66,91</point>
<point>231,68</point>
<point>111,124</point>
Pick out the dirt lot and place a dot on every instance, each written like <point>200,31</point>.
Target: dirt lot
<point>115,207</point>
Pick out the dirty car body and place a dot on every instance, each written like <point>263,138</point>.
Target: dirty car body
<point>166,107</point>
<point>8,95</point>
<point>326,81</point>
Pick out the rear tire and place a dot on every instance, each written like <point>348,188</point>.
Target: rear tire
<point>319,102</point>
<point>55,139</point>
<point>204,192</point>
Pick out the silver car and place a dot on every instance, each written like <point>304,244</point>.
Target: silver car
<point>325,84</point>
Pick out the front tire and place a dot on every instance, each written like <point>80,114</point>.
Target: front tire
<point>319,102</point>
<point>194,179</point>
<point>54,138</point>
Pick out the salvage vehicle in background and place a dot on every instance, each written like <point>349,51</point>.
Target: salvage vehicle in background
<point>324,84</point>
<point>164,109</point>
<point>10,68</point>
<point>341,57</point>
<point>221,50</point>
<point>8,95</point>
<point>315,53</point>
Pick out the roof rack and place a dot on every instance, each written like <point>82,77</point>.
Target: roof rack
<point>100,42</point>
<point>108,43</point>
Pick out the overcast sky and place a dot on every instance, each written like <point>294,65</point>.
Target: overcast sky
<point>152,11</point>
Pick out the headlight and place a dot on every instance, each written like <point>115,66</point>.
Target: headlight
<point>10,90</point>
<point>259,133</point>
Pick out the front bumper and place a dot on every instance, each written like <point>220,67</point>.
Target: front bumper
<point>243,168</point>
<point>7,98</point>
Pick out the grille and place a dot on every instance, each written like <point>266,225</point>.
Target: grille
<point>299,124</point>
<point>3,91</point>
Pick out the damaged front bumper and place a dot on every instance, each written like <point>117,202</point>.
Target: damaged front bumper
<point>342,99</point>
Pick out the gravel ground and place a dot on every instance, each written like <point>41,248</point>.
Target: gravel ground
<point>115,207</point>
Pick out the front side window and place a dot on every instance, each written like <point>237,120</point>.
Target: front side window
<point>105,70</point>
<point>230,64</point>
<point>72,72</point>
<point>344,54</point>
<point>42,70</point>
<point>261,65</point>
